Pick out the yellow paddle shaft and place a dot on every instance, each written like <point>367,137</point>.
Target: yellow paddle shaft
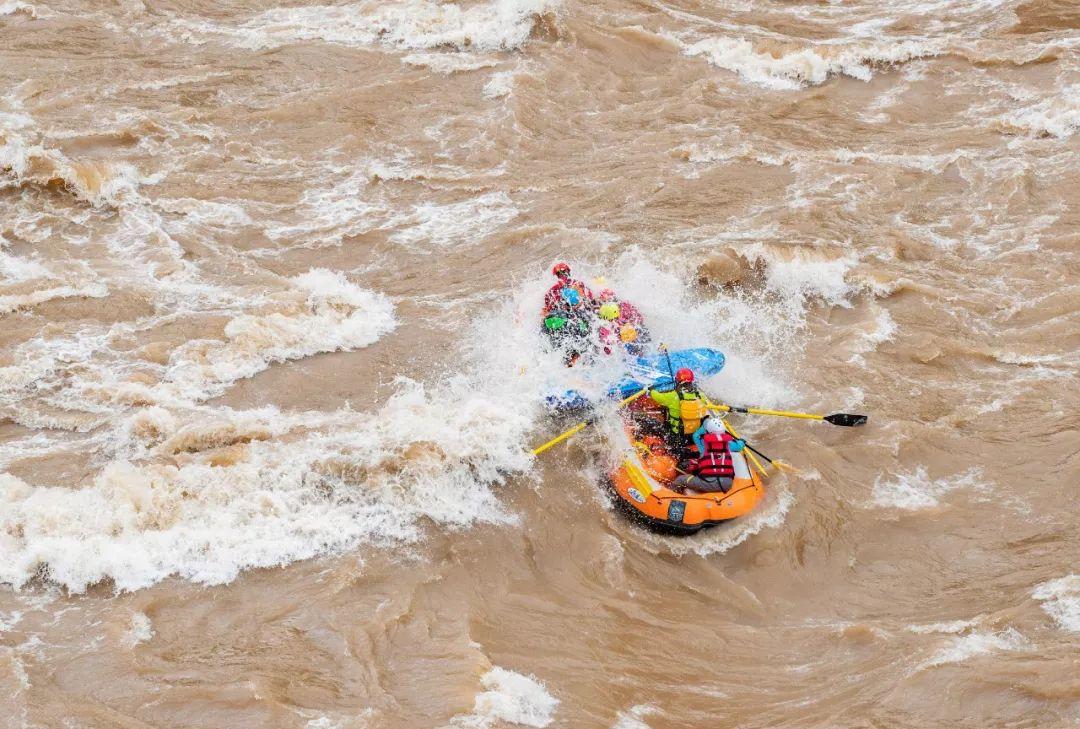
<point>560,438</point>
<point>778,465</point>
<point>762,411</point>
<point>727,426</point>
<point>581,426</point>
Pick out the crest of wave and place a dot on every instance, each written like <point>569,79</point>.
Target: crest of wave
<point>509,698</point>
<point>915,490</point>
<point>25,160</point>
<point>406,24</point>
<point>1057,115</point>
<point>320,311</point>
<point>25,282</point>
<point>15,7</point>
<point>785,68</point>
<point>1060,599</point>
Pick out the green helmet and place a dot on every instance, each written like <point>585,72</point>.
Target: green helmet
<point>554,322</point>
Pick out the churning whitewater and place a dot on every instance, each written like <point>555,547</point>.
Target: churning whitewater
<point>272,366</point>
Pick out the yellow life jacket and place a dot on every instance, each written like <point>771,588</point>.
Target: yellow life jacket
<point>691,412</point>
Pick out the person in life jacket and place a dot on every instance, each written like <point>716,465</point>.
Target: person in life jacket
<point>554,299</point>
<point>621,323</point>
<point>714,469</point>
<point>569,326</point>
<point>684,405</point>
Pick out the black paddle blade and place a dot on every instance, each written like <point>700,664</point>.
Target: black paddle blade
<point>846,419</point>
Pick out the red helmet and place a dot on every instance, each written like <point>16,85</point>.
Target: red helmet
<point>684,375</point>
<point>607,295</point>
<point>561,269</point>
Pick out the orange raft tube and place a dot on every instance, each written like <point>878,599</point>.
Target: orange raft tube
<point>641,485</point>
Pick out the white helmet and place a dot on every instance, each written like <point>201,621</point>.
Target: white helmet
<point>714,424</point>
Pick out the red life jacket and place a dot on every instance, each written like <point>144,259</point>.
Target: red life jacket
<point>717,459</point>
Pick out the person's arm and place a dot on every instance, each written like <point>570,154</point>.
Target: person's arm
<point>550,300</point>
<point>667,399</point>
<point>699,440</point>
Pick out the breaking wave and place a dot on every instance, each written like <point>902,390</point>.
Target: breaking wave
<point>1056,116</point>
<point>404,24</point>
<point>915,490</point>
<point>1060,599</point>
<point>25,160</point>
<point>511,698</point>
<point>784,67</point>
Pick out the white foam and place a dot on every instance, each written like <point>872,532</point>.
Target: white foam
<point>1057,115</point>
<point>330,213</point>
<point>467,221</point>
<point>165,83</point>
<point>448,63</point>
<point>203,492</point>
<point>14,269</point>
<point>509,697</point>
<point>499,85</point>
<point>25,158</point>
<point>975,644</point>
<point>807,66</point>
<point>11,7</point>
<point>884,328</point>
<point>8,621</point>
<point>333,314</point>
<point>141,630</point>
<point>768,515</point>
<point>634,717</point>
<point>344,479</point>
<point>915,490</point>
<point>1061,600</point>
<point>320,311</point>
<point>13,302</point>
<point>365,718</point>
<point>952,626</point>
<point>207,212</point>
<point>802,273</point>
<point>405,24</point>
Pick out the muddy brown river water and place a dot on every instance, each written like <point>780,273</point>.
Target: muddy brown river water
<point>270,371</point>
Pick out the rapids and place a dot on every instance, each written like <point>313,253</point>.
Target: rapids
<point>270,369</point>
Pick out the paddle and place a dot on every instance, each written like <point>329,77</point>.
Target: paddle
<point>847,420</point>
<point>778,465</point>
<point>753,459</point>
<point>581,426</point>
<point>670,368</point>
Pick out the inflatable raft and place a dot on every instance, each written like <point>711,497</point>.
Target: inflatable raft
<point>641,485</point>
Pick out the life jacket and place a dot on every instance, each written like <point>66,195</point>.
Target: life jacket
<point>717,460</point>
<point>691,412</point>
<point>684,411</point>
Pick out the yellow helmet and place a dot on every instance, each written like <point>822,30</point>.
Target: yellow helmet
<point>609,312</point>
<point>628,334</point>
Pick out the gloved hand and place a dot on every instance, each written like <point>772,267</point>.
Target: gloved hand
<point>736,445</point>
